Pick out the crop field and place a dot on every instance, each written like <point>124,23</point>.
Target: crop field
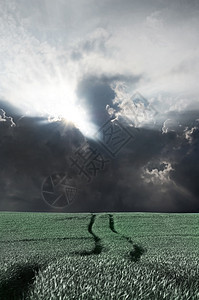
<point>99,256</point>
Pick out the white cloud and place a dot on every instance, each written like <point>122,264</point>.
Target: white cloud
<point>170,125</point>
<point>133,108</point>
<point>188,133</point>
<point>156,176</point>
<point>6,119</point>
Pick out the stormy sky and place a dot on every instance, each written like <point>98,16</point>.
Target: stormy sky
<point>99,105</point>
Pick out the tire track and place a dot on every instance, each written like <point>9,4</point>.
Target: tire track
<point>16,286</point>
<point>98,247</point>
<point>137,251</point>
<point>45,239</point>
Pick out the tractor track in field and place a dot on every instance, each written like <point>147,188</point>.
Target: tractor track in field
<point>18,284</point>
<point>70,218</point>
<point>137,251</point>
<point>98,247</point>
<point>134,254</point>
<point>46,239</point>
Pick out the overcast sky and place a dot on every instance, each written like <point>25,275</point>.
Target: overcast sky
<point>66,68</point>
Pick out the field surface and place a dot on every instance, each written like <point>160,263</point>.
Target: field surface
<point>99,256</point>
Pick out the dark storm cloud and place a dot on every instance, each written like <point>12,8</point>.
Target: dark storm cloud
<point>123,186</point>
<point>186,167</point>
<point>156,171</point>
<point>164,190</point>
<point>137,179</point>
<point>29,152</point>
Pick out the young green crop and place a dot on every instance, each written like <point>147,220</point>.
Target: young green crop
<point>54,255</point>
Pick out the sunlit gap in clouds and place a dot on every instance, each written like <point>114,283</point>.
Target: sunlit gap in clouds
<point>37,78</point>
<point>54,100</point>
<point>59,101</point>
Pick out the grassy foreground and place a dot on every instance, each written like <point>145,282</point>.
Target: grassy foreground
<point>100,256</point>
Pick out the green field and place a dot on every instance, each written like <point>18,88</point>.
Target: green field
<point>99,256</point>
